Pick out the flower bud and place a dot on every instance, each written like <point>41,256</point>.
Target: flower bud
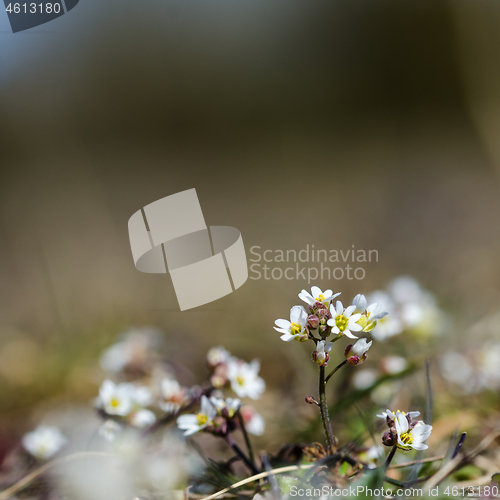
<point>312,322</point>
<point>309,400</point>
<point>389,439</point>
<point>357,353</point>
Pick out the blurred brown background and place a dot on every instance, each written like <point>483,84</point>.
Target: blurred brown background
<point>329,123</point>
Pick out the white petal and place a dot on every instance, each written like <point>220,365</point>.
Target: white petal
<point>401,424</point>
<point>296,313</point>
<point>287,337</point>
<point>340,308</point>
<point>347,333</point>
<point>316,291</point>
<point>419,446</point>
<point>282,323</point>
<point>328,347</point>
<point>349,310</point>
<point>282,330</point>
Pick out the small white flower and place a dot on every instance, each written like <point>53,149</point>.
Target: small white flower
<point>295,328</point>
<point>44,442</point>
<point>317,295</point>
<point>115,399</point>
<point>217,356</point>
<point>172,395</point>
<point>412,438</point>
<point>191,424</point>
<point>254,422</point>
<point>320,355</point>
<point>357,353</point>
<point>109,430</point>
<point>344,322</point>
<point>141,396</point>
<point>226,407</point>
<point>395,414</point>
<point>370,314</point>
<point>142,418</point>
<point>245,380</point>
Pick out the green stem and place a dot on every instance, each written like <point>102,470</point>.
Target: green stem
<point>335,370</point>
<point>247,438</point>
<point>241,455</point>
<point>324,411</point>
<point>389,458</point>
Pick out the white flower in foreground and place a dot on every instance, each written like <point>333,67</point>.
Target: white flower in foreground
<point>44,442</point>
<point>320,355</point>
<point>109,430</point>
<point>344,322</point>
<point>357,353</point>
<point>317,295</point>
<point>226,407</point>
<point>370,314</point>
<point>245,380</point>
<point>115,399</point>
<point>295,328</point>
<point>172,395</point>
<point>217,356</point>
<point>142,418</point>
<point>191,424</point>
<point>412,438</point>
<point>254,422</point>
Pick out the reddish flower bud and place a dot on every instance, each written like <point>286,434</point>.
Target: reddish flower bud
<point>312,322</point>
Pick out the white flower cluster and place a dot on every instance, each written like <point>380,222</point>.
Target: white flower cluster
<point>216,415</point>
<point>412,308</point>
<point>331,318</point>
<point>479,368</point>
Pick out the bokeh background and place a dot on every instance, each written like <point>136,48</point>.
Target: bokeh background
<point>372,124</point>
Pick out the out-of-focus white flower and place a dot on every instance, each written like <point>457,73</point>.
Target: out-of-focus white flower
<point>131,351</point>
<point>320,355</point>
<point>115,399</point>
<point>363,379</point>
<point>44,442</point>
<point>109,430</point>
<point>384,393</point>
<point>172,395</point>
<point>191,424</point>
<point>217,356</point>
<point>357,353</point>
<point>489,366</point>
<point>343,321</point>
<point>317,295</point>
<point>244,378</point>
<point>390,325</point>
<point>142,418</point>
<point>393,364</point>
<point>372,455</point>
<point>226,407</point>
<point>141,396</point>
<point>412,438</point>
<point>295,329</point>
<point>456,368</point>
<point>254,422</point>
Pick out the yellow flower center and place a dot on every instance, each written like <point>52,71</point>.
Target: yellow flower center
<point>202,419</point>
<point>321,298</point>
<point>115,402</point>
<point>407,438</point>
<point>341,321</point>
<point>240,380</point>
<point>295,328</point>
